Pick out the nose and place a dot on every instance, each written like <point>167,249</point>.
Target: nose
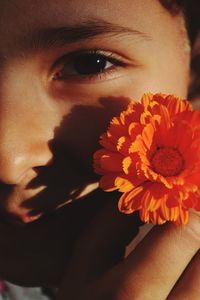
<point>25,132</point>
<point>20,156</point>
<point>22,149</point>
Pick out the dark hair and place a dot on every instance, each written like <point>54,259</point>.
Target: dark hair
<point>172,5</point>
<point>191,10</point>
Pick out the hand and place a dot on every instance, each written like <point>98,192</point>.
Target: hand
<point>165,265</point>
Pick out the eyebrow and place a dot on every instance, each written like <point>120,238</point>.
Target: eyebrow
<point>57,37</point>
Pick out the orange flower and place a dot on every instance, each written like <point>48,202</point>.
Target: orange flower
<point>151,154</point>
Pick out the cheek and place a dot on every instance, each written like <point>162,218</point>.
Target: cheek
<point>92,108</point>
<point>93,105</point>
<point>160,80</point>
<point>81,128</point>
<point>172,76</point>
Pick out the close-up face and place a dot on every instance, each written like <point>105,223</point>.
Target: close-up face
<point>66,68</point>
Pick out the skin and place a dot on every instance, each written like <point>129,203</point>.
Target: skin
<point>47,141</point>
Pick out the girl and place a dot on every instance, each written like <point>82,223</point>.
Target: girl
<point>66,68</point>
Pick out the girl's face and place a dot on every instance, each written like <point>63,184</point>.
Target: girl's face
<point>66,68</point>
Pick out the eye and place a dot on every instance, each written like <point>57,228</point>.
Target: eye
<point>86,64</point>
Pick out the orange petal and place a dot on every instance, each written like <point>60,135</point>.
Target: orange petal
<point>131,201</point>
<point>173,103</point>
<point>154,194</point>
<point>127,163</point>
<point>116,128</point>
<point>135,109</point>
<point>181,141</point>
<point>123,145</point>
<point>146,99</point>
<point>107,182</point>
<point>156,218</point>
<point>111,162</point>
<point>173,199</point>
<point>97,161</point>
<point>183,217</point>
<point>108,143</point>
<point>145,215</point>
<point>124,184</point>
<point>147,135</point>
<point>174,213</point>
<point>138,146</point>
<point>149,202</point>
<point>134,129</point>
<point>193,178</point>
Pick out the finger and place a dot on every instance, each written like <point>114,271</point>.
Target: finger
<point>188,286</point>
<point>152,269</point>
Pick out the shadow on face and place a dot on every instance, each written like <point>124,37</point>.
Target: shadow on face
<point>71,169</point>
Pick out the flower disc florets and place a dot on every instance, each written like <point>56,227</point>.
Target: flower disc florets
<point>167,161</point>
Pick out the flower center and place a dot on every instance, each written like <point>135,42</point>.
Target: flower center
<point>167,161</point>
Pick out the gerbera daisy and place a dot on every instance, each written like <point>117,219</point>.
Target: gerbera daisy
<point>151,155</point>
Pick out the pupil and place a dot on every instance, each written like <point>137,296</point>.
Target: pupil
<point>89,64</point>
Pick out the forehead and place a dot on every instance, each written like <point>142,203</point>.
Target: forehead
<point>48,11</point>
<point>18,16</point>
<point>20,19</point>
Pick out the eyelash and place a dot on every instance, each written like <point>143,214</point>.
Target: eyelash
<point>69,61</point>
